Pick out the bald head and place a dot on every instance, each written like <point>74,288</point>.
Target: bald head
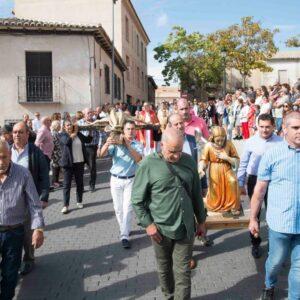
<point>176,121</point>
<point>294,115</point>
<point>88,114</point>
<point>46,121</point>
<point>291,129</point>
<point>171,144</point>
<point>4,146</point>
<point>5,157</point>
<point>20,135</point>
<point>184,109</point>
<point>172,135</point>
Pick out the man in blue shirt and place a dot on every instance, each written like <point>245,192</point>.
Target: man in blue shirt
<point>125,157</point>
<point>254,149</point>
<point>279,172</point>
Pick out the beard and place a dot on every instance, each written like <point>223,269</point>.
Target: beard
<point>3,169</point>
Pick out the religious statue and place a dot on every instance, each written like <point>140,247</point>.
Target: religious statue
<point>221,158</point>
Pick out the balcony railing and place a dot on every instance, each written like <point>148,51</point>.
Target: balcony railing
<point>40,89</point>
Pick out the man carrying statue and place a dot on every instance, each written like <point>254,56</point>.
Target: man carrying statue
<point>166,197</point>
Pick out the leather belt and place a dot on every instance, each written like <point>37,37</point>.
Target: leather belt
<point>123,177</point>
<point>9,227</point>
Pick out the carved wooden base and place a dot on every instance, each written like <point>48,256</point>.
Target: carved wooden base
<point>215,220</point>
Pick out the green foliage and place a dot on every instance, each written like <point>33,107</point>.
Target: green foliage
<point>293,42</point>
<point>195,59</point>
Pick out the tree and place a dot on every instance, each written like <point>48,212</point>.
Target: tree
<point>196,59</point>
<point>293,41</point>
<point>188,57</point>
<point>248,46</point>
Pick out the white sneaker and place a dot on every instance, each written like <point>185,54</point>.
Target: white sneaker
<point>64,210</point>
<point>79,205</point>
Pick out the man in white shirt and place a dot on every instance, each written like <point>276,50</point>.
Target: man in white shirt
<point>36,123</point>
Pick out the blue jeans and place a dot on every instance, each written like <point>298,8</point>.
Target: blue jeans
<point>278,123</point>
<point>281,245</point>
<point>11,243</point>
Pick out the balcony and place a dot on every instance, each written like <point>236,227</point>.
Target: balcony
<point>39,89</point>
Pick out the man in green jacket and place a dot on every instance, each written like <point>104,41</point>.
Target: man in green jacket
<point>167,200</point>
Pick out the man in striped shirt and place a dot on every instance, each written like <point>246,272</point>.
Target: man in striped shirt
<point>17,196</point>
<point>279,171</point>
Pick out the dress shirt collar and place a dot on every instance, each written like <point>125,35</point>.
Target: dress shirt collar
<point>266,140</point>
<point>24,150</point>
<point>291,147</point>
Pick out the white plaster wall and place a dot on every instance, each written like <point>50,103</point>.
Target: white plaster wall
<point>93,12</point>
<point>292,67</point>
<point>70,61</point>
<point>259,78</point>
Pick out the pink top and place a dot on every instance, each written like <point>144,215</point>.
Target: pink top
<point>196,122</point>
<point>44,141</point>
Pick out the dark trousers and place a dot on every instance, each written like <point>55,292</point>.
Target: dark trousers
<point>76,170</point>
<point>91,152</point>
<point>11,243</point>
<point>27,242</point>
<point>48,161</point>
<point>55,174</point>
<point>173,258</point>
<point>250,189</point>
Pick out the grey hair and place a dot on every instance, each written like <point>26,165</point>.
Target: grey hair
<point>290,116</point>
<point>172,116</point>
<point>171,134</point>
<point>5,145</point>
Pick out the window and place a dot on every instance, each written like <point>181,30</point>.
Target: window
<point>127,29</point>
<point>142,51</point>
<point>119,88</point>
<point>107,79</point>
<point>137,45</point>
<point>39,80</point>
<point>128,66</point>
<point>115,86</point>
<point>145,56</point>
<point>146,83</point>
<point>138,76</point>
<point>132,39</point>
<point>142,79</point>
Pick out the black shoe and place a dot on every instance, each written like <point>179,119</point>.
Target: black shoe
<point>268,294</point>
<point>26,267</point>
<point>256,252</point>
<point>92,189</point>
<point>125,244</point>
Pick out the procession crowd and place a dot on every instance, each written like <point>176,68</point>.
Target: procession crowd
<point>162,173</point>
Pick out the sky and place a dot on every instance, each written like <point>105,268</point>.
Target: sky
<point>159,16</point>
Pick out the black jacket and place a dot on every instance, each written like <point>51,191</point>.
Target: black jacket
<point>39,170</point>
<point>193,146</point>
<point>66,142</point>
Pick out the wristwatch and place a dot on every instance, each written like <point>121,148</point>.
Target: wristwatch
<point>40,229</point>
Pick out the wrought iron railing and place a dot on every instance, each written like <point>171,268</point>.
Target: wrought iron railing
<point>38,89</point>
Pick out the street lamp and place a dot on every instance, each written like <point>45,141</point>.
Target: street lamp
<point>113,53</point>
<point>223,55</point>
